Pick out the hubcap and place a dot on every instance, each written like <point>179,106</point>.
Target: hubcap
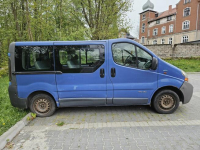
<point>166,102</point>
<point>42,105</point>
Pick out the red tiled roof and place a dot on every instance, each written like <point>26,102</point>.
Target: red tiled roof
<point>165,14</point>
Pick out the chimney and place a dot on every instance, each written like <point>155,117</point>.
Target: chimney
<point>170,7</point>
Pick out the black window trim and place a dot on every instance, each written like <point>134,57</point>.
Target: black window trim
<point>37,72</point>
<point>135,55</point>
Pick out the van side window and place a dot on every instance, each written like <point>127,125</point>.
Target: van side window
<point>79,58</point>
<point>144,59</point>
<point>124,54</point>
<point>34,58</point>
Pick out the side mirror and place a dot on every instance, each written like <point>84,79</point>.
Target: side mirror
<point>154,63</point>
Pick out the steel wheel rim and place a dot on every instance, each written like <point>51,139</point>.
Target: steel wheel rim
<point>166,102</point>
<point>42,105</point>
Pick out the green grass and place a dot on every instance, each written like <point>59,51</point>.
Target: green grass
<point>9,115</point>
<point>187,65</point>
<point>60,124</point>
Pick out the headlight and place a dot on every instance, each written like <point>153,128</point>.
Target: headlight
<point>185,75</point>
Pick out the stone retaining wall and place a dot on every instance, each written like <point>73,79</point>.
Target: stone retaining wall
<point>178,51</point>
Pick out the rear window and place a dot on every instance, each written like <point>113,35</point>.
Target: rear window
<point>34,58</point>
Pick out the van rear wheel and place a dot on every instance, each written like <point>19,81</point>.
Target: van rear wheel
<point>43,105</point>
<point>166,102</point>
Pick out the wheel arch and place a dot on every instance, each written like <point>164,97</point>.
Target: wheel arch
<point>39,92</point>
<point>175,89</point>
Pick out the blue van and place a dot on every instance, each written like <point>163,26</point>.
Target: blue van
<point>117,72</point>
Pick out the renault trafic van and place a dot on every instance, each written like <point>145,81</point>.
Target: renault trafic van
<point>117,72</point>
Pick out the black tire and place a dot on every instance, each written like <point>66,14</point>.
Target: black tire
<point>166,102</point>
<point>43,105</point>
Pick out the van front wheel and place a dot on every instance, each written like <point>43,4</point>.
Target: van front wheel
<point>43,105</point>
<point>166,102</point>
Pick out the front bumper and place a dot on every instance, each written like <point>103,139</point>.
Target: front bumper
<point>187,90</point>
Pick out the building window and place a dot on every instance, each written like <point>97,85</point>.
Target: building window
<point>157,21</point>
<point>156,15</point>
<point>187,1</point>
<point>163,30</point>
<point>155,32</point>
<point>143,38</point>
<point>163,41</point>
<point>154,42</point>
<point>169,18</point>
<point>143,16</point>
<point>170,41</point>
<point>148,32</point>
<point>186,25</point>
<point>143,27</point>
<point>171,28</point>
<point>187,11</point>
<point>185,39</point>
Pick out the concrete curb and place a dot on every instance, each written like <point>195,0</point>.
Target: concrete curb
<point>193,72</point>
<point>13,131</point>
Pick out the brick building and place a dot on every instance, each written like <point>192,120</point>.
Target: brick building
<point>173,26</point>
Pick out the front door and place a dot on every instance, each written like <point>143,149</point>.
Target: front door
<point>81,78</point>
<point>133,80</point>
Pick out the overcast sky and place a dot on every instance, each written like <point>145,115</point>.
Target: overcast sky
<point>159,5</point>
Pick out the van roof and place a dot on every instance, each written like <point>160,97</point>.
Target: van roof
<point>28,43</point>
<point>49,43</point>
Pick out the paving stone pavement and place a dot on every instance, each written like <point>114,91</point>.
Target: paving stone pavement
<point>123,128</point>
